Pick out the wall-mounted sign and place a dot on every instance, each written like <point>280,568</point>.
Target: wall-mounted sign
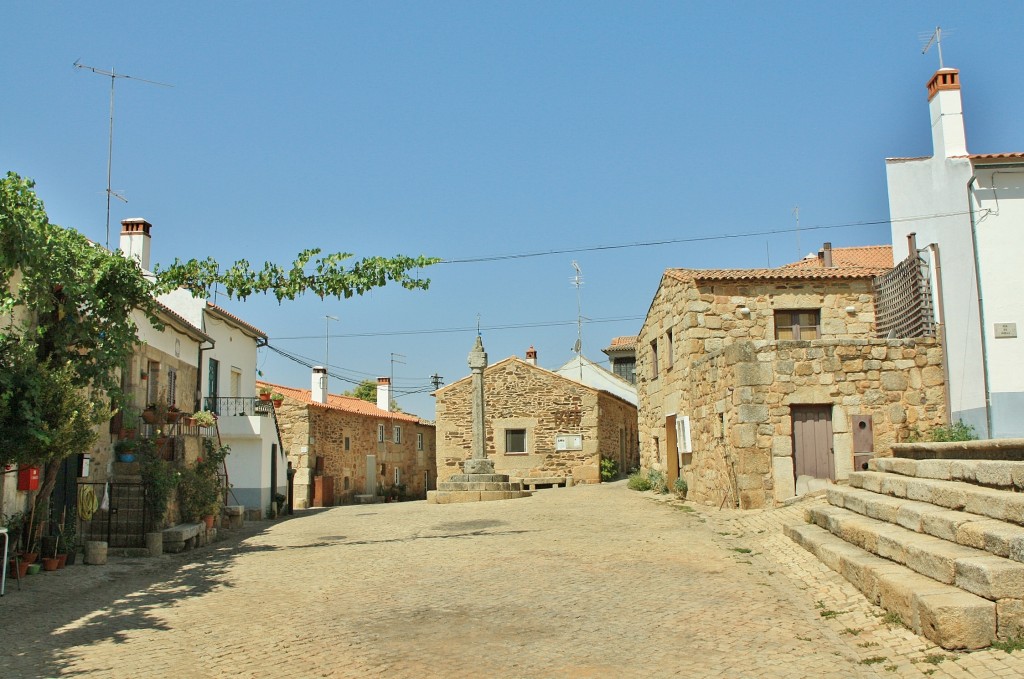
<point>1006,330</point>
<point>569,442</point>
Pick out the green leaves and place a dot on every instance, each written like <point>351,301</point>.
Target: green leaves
<point>325,276</point>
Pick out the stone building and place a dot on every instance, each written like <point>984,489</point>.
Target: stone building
<point>756,385</point>
<point>342,447</point>
<point>622,355</point>
<point>540,425</point>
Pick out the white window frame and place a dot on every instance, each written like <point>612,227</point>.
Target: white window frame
<point>526,441</point>
<point>683,443</point>
<point>397,433</point>
<point>419,440</point>
<point>380,433</point>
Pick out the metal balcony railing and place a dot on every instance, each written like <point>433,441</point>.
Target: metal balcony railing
<point>233,406</point>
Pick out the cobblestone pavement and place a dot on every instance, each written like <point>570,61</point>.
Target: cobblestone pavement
<point>592,581</point>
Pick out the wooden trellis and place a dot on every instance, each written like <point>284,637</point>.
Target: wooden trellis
<point>903,300</point>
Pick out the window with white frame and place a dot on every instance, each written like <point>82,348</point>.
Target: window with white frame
<point>419,441</point>
<point>397,437</point>
<point>515,441</point>
<point>380,433</point>
<point>348,443</point>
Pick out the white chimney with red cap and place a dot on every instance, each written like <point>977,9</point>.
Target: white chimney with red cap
<point>531,355</point>
<point>318,387</point>
<point>384,393</point>
<point>135,240</point>
<point>946,108</point>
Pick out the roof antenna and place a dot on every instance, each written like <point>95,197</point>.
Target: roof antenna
<point>110,141</point>
<point>936,39</point>
<point>577,282</point>
<point>796,213</point>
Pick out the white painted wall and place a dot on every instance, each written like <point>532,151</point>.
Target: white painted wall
<point>582,369</point>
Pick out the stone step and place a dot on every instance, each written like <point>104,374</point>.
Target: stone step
<point>995,504</point>
<point>944,614</point>
<point>971,530</point>
<point>461,485</point>
<point>445,497</point>
<point>1001,474</point>
<point>975,571</point>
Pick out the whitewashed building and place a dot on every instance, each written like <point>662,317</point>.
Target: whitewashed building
<point>967,211</point>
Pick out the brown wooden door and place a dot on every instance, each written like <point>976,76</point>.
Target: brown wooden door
<point>813,453</point>
<point>671,450</point>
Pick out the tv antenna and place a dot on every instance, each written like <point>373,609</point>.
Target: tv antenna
<point>110,141</point>
<point>796,213</point>
<point>935,39</point>
<point>395,358</point>
<point>577,282</point>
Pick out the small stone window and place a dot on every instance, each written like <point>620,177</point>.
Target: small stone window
<point>397,434</point>
<point>419,441</point>
<point>348,444</point>
<point>798,324</point>
<point>654,359</point>
<point>515,441</point>
<point>380,433</point>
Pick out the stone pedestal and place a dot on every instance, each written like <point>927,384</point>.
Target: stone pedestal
<point>476,488</point>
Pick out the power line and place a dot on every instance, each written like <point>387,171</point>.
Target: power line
<point>434,331</point>
<point>692,239</point>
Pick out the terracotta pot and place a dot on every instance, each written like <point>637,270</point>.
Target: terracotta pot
<point>20,572</point>
<point>209,521</point>
<point>51,564</point>
<point>62,561</point>
<point>173,416</point>
<point>264,397</point>
<point>149,416</point>
<point>29,557</point>
<point>190,421</point>
<point>278,402</point>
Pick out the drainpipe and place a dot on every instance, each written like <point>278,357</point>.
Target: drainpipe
<point>941,329</point>
<point>981,307</point>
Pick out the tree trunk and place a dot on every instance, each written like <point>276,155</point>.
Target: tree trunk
<point>42,503</point>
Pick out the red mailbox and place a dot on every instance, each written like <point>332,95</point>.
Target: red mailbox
<point>28,478</point>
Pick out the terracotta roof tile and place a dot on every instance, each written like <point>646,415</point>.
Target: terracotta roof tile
<point>784,273</point>
<point>348,404</point>
<point>995,156</point>
<point>624,343</point>
<point>235,319</point>
<point>870,256</point>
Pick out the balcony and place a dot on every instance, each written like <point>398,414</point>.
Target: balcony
<point>240,416</point>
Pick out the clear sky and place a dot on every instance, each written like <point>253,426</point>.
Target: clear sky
<point>466,130</point>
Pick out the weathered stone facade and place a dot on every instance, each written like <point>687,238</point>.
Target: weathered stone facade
<point>344,437</point>
<point>720,364</point>
<point>520,396</point>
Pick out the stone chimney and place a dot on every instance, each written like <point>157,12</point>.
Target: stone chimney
<point>531,355</point>
<point>135,240</point>
<point>384,393</point>
<point>318,388</point>
<point>826,255</point>
<point>944,104</point>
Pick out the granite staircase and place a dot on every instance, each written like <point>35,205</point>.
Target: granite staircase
<point>938,542</point>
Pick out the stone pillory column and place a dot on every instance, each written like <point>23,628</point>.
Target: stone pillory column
<point>478,482</point>
<point>478,463</point>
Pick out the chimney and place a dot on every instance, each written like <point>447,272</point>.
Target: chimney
<point>948,138</point>
<point>135,240</point>
<point>384,393</point>
<point>531,355</point>
<point>826,255</point>
<point>912,243</point>
<point>318,389</point>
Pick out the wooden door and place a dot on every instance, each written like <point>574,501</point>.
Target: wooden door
<point>813,453</point>
<point>672,456</point>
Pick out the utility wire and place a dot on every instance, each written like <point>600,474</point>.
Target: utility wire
<point>692,239</point>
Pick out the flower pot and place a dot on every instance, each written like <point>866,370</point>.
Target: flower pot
<point>62,561</point>
<point>29,557</point>
<point>149,416</point>
<point>126,457</point>
<point>173,416</point>
<point>34,568</point>
<point>278,402</point>
<point>71,556</point>
<point>17,572</point>
<point>50,563</point>
<point>264,397</point>
<point>208,520</point>
<point>190,421</point>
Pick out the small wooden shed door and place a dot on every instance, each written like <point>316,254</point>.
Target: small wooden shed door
<point>813,453</point>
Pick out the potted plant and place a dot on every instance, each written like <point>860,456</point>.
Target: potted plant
<point>173,413</point>
<point>129,422</point>
<point>278,398</point>
<point>156,411</point>
<point>125,449</point>
<point>204,418</point>
<point>265,393</point>
<point>160,478</point>
<point>201,488</point>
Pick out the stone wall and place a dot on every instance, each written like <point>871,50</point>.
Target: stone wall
<point>521,396</point>
<point>722,367</point>
<point>309,431</point>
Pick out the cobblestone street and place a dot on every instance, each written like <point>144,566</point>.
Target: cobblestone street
<point>592,581</point>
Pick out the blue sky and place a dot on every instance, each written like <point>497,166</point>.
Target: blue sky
<point>464,130</point>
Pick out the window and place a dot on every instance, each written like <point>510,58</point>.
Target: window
<point>515,441</point>
<point>625,368</point>
<point>380,433</point>
<point>398,476</point>
<point>172,387</point>
<point>236,382</point>
<point>654,359</point>
<point>397,434</point>
<point>348,444</point>
<point>670,349</point>
<point>419,441</point>
<point>797,324</point>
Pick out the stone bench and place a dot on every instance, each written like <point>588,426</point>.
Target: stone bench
<point>532,482</point>
<point>233,516</point>
<point>183,536</point>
